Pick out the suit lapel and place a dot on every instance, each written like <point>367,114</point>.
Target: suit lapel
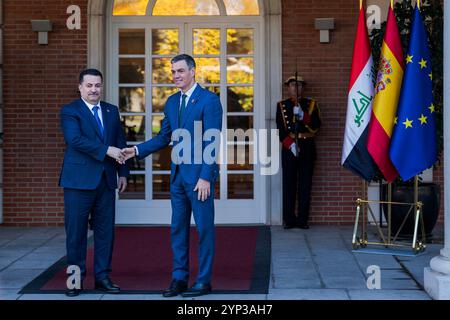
<point>106,112</point>
<point>192,101</point>
<point>176,108</point>
<point>90,117</point>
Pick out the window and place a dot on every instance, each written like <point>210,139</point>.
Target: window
<point>186,7</point>
<point>225,55</point>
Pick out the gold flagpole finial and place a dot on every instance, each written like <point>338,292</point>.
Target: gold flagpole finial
<point>392,4</point>
<point>418,4</point>
<point>360,4</point>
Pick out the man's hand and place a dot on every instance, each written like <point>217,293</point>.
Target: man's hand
<point>122,184</point>
<point>129,153</point>
<point>293,149</point>
<point>117,154</point>
<point>204,189</point>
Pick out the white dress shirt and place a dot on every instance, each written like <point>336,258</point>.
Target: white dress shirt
<point>91,107</point>
<point>188,96</point>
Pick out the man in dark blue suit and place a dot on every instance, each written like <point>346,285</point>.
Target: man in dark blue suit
<point>92,162</point>
<point>189,116</point>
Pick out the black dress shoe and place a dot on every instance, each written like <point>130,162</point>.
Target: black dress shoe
<point>303,226</point>
<point>107,286</point>
<point>288,226</point>
<point>198,289</point>
<point>176,287</point>
<point>74,292</point>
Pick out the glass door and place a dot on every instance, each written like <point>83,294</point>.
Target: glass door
<point>141,83</point>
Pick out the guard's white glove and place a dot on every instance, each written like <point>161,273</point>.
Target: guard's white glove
<point>293,148</point>
<point>298,112</point>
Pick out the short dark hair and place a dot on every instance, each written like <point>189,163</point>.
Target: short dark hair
<point>189,60</point>
<point>90,72</point>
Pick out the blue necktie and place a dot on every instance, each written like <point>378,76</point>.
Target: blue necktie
<point>97,118</point>
<point>182,109</point>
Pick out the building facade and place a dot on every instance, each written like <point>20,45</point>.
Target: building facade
<point>244,50</point>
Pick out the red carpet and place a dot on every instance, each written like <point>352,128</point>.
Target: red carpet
<point>142,261</point>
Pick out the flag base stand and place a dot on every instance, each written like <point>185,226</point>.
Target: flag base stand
<point>388,241</point>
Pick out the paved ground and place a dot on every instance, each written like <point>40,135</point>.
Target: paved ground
<point>314,264</point>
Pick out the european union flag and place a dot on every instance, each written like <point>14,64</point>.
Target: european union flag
<point>413,146</point>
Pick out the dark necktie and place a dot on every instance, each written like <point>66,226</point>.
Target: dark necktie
<point>182,109</point>
<point>97,118</point>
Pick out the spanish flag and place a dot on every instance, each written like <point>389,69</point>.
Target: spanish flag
<point>387,92</point>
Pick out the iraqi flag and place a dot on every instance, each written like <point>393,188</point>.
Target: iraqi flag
<point>355,156</point>
<point>387,92</point>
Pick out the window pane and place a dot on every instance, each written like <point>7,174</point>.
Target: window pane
<point>135,188</point>
<point>185,8</point>
<point>240,122</point>
<point>240,157</point>
<point>131,70</point>
<point>239,41</point>
<point>161,159</point>
<point>240,99</point>
<point>131,41</point>
<point>160,95</point>
<point>240,70</point>
<point>240,186</point>
<point>134,127</point>
<point>132,99</point>
<point>165,41</point>
<point>206,41</point>
<point>161,186</point>
<point>216,90</point>
<point>162,70</point>
<point>156,124</point>
<point>130,7</point>
<point>217,188</point>
<point>242,7</point>
<point>208,70</point>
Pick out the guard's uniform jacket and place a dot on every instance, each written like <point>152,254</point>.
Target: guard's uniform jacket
<point>297,171</point>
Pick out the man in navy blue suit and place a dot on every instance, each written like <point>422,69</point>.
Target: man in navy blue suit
<point>192,109</point>
<point>93,161</point>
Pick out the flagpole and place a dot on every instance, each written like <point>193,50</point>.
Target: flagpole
<point>360,4</point>
<point>418,4</point>
<point>364,197</point>
<point>389,212</point>
<point>392,4</point>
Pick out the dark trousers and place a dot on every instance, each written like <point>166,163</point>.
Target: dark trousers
<point>100,204</point>
<point>297,182</point>
<point>184,203</point>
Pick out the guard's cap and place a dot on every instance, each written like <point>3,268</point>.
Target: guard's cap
<point>291,79</point>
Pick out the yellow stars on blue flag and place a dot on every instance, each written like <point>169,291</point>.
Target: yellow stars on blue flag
<point>408,123</point>
<point>432,108</point>
<point>423,64</point>
<point>423,119</point>
<point>413,145</point>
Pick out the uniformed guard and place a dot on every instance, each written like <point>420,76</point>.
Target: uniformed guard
<point>298,121</point>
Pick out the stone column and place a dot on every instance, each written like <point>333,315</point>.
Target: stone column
<point>273,80</point>
<point>437,275</point>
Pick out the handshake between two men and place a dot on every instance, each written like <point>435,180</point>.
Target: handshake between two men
<point>121,155</point>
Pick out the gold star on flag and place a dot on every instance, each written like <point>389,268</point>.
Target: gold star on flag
<point>423,119</point>
<point>431,76</point>
<point>408,123</point>
<point>423,64</point>
<point>431,108</point>
<point>396,120</point>
<point>409,59</point>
